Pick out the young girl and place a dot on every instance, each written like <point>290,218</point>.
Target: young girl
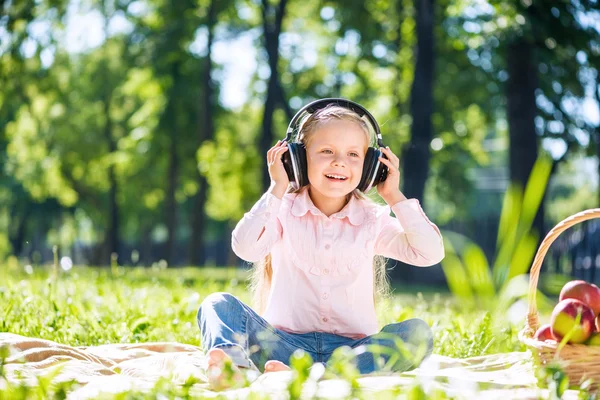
<point>314,279</point>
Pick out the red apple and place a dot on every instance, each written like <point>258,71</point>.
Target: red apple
<point>594,340</point>
<point>582,291</point>
<point>544,333</point>
<point>564,319</point>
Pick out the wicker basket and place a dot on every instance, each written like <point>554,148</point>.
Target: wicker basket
<point>580,362</point>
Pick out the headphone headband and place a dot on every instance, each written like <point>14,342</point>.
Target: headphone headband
<point>322,103</point>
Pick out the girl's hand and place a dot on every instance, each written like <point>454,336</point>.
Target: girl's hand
<point>276,170</point>
<point>389,189</point>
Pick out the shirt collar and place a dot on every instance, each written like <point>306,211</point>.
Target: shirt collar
<point>353,210</point>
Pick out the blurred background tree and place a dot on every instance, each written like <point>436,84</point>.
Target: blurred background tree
<point>139,128</point>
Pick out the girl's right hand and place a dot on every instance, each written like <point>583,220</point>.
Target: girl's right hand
<point>276,170</point>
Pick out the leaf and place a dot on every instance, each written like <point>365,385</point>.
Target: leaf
<point>478,270</point>
<point>509,216</point>
<point>534,191</point>
<point>523,255</point>
<point>456,276</point>
<point>507,235</point>
<point>140,325</point>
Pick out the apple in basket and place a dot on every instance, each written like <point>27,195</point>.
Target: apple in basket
<point>594,340</point>
<point>544,333</point>
<point>582,291</point>
<point>564,319</point>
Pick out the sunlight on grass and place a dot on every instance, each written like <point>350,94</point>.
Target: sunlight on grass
<point>92,306</point>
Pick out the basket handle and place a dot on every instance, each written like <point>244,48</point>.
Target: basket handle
<point>532,316</point>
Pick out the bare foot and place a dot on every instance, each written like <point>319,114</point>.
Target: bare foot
<point>221,372</point>
<point>275,366</point>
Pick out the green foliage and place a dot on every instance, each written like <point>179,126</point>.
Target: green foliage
<point>132,104</point>
<point>555,378</point>
<point>88,306</point>
<point>231,166</point>
<point>100,307</point>
<point>564,47</point>
<point>466,267</point>
<point>300,363</point>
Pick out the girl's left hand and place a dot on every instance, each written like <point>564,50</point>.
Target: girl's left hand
<point>389,189</point>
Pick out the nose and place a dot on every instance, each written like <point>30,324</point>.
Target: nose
<point>339,160</point>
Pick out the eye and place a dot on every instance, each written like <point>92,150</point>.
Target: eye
<point>354,154</point>
<point>327,151</point>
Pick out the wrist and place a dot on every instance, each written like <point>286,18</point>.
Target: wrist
<point>394,198</point>
<point>277,189</point>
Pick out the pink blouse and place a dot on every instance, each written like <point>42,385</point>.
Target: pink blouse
<point>323,266</point>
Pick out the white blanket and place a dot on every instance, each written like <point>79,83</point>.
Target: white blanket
<point>117,368</point>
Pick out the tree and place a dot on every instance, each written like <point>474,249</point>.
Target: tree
<point>536,51</point>
<point>272,19</point>
<point>416,155</point>
<point>18,205</point>
<point>205,132</point>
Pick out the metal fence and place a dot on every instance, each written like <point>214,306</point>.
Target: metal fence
<point>576,252</point>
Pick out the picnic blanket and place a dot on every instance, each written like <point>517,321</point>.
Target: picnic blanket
<point>114,368</point>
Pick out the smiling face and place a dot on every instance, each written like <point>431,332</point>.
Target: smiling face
<point>335,154</point>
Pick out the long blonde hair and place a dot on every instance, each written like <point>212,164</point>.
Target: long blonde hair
<point>262,271</point>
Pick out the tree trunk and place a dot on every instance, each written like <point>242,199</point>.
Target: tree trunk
<point>112,233</point>
<point>173,168</point>
<point>271,29</point>
<point>521,111</point>
<point>205,132</point>
<point>171,202</point>
<point>416,155</point>
<point>597,133</point>
<point>111,240</point>
<point>400,106</point>
<point>283,100</point>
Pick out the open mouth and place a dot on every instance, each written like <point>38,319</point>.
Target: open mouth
<point>336,178</point>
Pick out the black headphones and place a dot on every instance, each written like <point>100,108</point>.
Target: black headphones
<point>294,160</point>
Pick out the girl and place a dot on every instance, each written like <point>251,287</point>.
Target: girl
<point>314,280</point>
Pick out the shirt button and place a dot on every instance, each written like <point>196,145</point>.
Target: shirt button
<point>327,247</point>
<point>327,224</point>
<point>325,296</point>
<point>326,271</point>
<point>325,319</point>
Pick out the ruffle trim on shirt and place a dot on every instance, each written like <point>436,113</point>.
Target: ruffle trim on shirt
<point>346,262</point>
<point>352,264</point>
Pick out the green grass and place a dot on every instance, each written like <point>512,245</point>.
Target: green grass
<point>92,306</point>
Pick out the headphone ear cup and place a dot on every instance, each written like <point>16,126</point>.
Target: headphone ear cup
<point>302,164</point>
<point>294,162</point>
<point>287,164</point>
<point>374,171</point>
<point>382,172</point>
<point>368,168</point>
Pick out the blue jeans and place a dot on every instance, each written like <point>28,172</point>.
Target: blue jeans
<point>226,322</point>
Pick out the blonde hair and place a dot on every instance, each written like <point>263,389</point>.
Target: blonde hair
<point>262,271</point>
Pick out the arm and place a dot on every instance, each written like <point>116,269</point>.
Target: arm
<point>259,229</point>
<point>410,237</point>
